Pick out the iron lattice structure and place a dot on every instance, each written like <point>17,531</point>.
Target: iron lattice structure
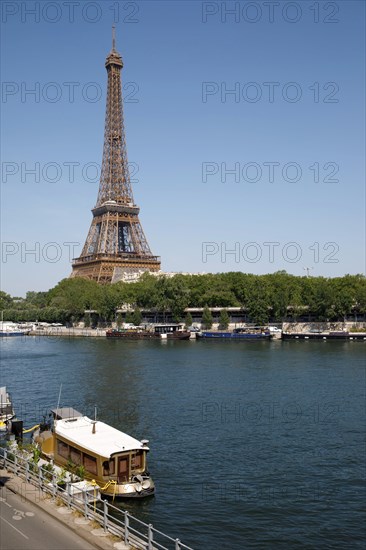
<point>116,238</point>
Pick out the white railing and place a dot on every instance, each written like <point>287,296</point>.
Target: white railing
<point>113,520</point>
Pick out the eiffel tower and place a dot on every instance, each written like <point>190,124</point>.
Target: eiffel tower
<point>116,243</point>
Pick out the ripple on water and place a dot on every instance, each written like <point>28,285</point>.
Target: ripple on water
<point>254,445</point>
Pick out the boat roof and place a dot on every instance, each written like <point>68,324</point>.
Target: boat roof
<point>62,413</point>
<point>106,440</point>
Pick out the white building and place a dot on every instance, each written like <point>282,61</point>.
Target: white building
<point>131,275</point>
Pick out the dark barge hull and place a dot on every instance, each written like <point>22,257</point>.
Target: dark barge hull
<point>5,334</point>
<point>323,336</point>
<point>235,335</point>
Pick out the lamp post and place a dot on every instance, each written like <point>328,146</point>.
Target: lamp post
<point>307,269</point>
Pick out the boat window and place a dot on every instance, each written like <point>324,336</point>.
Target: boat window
<point>90,463</point>
<point>75,456</point>
<point>62,449</point>
<point>109,467</point>
<point>136,460</point>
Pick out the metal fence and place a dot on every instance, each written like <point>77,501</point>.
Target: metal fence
<point>112,520</point>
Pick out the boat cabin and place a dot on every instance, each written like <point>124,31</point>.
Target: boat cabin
<point>251,330</point>
<point>168,328</point>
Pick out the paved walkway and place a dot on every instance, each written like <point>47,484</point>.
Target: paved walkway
<point>31,520</point>
<point>25,525</point>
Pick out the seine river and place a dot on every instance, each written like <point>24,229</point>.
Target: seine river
<point>253,445</point>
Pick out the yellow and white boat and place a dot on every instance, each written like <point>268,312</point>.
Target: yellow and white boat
<point>6,409</point>
<point>114,460</point>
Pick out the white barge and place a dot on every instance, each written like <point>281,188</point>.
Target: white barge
<point>114,460</point>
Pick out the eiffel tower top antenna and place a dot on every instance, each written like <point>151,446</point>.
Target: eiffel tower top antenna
<point>113,38</point>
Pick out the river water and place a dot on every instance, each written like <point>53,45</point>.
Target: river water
<point>253,444</point>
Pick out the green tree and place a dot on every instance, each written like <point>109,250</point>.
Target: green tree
<point>177,296</point>
<point>119,321</point>
<point>296,306</point>
<point>359,283</point>
<point>137,317</point>
<point>5,300</point>
<point>87,320</point>
<point>278,292</point>
<point>322,298</point>
<point>188,320</point>
<point>224,319</point>
<point>76,295</point>
<point>148,294</point>
<point>258,302</point>
<point>109,300</point>
<point>264,296</point>
<point>129,317</point>
<point>344,301</point>
<point>207,318</point>
<point>37,299</point>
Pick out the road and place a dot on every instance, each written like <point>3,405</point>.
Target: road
<point>25,526</point>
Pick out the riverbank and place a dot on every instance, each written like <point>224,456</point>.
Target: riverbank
<point>302,328</point>
<point>325,326</point>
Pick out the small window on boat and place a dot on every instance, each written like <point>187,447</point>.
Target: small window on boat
<point>75,456</point>
<point>62,449</point>
<point>109,467</point>
<point>90,464</point>
<point>136,460</point>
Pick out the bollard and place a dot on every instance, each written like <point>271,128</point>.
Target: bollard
<point>127,524</point>
<point>177,544</point>
<point>27,472</point>
<point>151,537</point>
<point>5,459</point>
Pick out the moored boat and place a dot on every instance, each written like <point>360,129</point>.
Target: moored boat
<point>10,330</point>
<point>324,335</point>
<point>246,333</point>
<point>116,461</point>
<point>6,409</point>
<point>174,331</point>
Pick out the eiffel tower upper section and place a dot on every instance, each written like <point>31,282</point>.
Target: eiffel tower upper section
<point>115,178</point>
<point>116,241</point>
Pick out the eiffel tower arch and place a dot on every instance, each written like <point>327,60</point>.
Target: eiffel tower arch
<point>116,242</point>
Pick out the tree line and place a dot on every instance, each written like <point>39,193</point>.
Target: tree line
<point>278,296</point>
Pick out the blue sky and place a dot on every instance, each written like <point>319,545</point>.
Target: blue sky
<point>183,131</point>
